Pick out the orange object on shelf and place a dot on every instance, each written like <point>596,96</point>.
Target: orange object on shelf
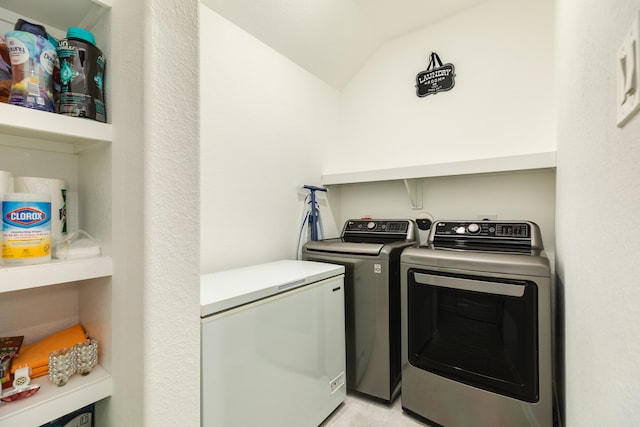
<point>36,355</point>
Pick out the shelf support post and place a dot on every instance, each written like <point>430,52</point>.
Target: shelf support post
<point>414,190</point>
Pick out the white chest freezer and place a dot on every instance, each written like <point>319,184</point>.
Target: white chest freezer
<point>273,346</point>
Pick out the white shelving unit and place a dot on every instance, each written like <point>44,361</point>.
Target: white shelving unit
<point>51,401</point>
<point>46,138</point>
<point>51,132</point>
<point>53,273</point>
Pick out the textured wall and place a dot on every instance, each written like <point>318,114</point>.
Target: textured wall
<point>597,217</point>
<point>171,228</point>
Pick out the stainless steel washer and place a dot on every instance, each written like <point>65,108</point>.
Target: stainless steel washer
<point>476,326</point>
<point>370,252</point>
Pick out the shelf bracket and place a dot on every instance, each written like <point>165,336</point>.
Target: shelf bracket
<point>414,190</point>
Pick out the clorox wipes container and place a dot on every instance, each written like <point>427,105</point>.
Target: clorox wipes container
<point>26,228</point>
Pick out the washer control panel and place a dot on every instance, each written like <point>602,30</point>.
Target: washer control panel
<point>379,231</point>
<point>376,226</point>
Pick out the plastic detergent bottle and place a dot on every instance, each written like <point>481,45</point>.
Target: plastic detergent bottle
<point>26,228</point>
<point>33,58</point>
<point>82,70</point>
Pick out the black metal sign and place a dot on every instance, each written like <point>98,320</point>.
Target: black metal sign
<point>436,78</point>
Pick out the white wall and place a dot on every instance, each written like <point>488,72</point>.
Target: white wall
<point>519,195</point>
<point>263,116</point>
<point>500,105</point>
<point>597,217</point>
<point>265,123</point>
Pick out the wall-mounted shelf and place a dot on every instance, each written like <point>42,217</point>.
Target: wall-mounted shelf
<point>52,273</point>
<point>413,175</point>
<point>52,132</point>
<point>464,167</point>
<point>51,401</point>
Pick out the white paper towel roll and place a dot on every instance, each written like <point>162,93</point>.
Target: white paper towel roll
<point>57,188</point>
<point>6,183</point>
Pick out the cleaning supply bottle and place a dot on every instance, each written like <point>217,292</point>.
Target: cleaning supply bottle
<point>82,71</point>
<point>33,58</point>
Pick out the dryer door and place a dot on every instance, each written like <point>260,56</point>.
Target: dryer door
<point>476,330</point>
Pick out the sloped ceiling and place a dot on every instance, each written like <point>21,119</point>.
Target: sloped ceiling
<point>332,39</point>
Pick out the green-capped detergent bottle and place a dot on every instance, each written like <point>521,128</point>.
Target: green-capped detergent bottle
<point>82,76</point>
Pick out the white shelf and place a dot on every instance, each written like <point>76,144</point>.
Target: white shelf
<point>104,3</point>
<point>541,160</point>
<point>51,401</point>
<point>54,132</point>
<point>57,15</point>
<point>53,273</point>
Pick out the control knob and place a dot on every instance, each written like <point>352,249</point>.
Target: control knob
<point>371,225</point>
<point>473,228</point>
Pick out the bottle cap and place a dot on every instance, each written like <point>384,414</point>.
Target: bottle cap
<point>82,34</point>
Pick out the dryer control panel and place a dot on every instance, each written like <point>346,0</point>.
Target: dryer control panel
<point>483,228</point>
<point>486,235</point>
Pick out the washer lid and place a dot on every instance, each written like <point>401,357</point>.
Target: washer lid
<point>341,247</point>
<point>232,288</point>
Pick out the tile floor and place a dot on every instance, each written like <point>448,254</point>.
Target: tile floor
<point>360,412</point>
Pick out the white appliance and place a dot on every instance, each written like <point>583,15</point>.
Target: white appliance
<point>273,344</point>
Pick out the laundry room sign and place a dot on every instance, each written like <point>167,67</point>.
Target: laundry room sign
<point>436,78</point>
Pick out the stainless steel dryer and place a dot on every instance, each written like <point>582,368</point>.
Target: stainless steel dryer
<point>476,326</point>
<point>370,252</point>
